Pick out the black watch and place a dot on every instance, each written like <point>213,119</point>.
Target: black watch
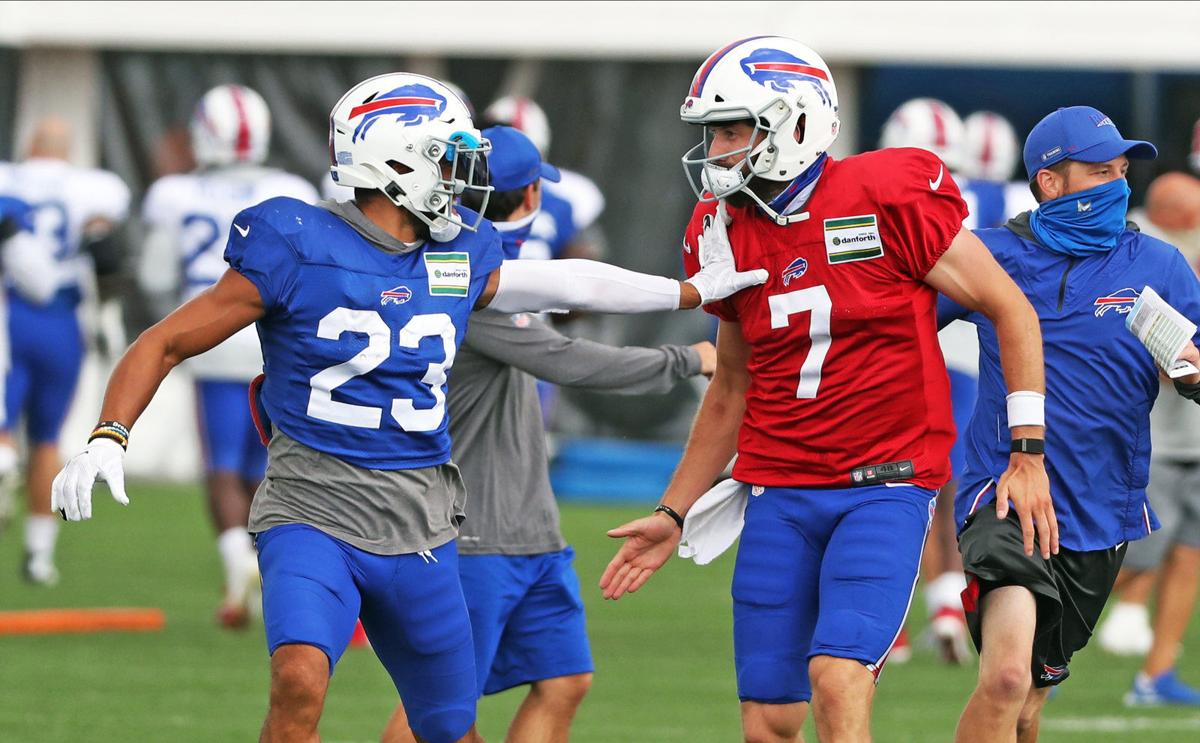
<point>1028,446</point>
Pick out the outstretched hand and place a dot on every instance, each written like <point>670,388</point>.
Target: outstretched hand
<point>718,277</point>
<point>649,543</point>
<point>1025,484</point>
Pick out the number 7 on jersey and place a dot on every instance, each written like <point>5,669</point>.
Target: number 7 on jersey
<point>814,299</point>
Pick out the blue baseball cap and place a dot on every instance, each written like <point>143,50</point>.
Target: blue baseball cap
<point>1079,133</point>
<point>514,161</point>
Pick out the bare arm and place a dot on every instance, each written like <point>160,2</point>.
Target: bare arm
<point>713,439</point>
<point>968,274</point>
<point>712,443</point>
<point>227,307</point>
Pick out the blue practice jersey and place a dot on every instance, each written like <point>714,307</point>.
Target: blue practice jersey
<point>357,342</point>
<point>1100,381</point>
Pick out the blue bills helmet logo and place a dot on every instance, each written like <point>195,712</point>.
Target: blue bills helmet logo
<point>399,295</point>
<point>795,270</point>
<point>410,104</point>
<point>1121,302</point>
<point>781,72</point>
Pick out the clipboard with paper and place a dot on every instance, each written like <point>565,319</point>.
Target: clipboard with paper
<point>1163,331</point>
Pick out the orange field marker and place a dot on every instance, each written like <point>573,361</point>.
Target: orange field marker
<point>62,621</point>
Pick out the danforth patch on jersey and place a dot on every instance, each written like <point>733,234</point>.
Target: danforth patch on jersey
<point>449,274</point>
<point>853,239</point>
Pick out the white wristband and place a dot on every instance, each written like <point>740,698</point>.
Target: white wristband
<point>1026,408</point>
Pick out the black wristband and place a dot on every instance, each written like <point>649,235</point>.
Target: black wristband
<point>1028,446</point>
<point>672,513</point>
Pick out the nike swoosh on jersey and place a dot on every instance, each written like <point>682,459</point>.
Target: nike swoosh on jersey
<point>936,184</point>
<point>243,231</point>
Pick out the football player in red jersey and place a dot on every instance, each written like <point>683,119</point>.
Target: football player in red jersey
<point>830,386</point>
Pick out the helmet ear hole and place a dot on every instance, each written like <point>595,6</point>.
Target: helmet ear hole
<point>400,168</point>
<point>800,128</point>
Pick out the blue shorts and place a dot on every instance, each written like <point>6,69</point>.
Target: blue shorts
<point>964,389</point>
<point>46,346</point>
<point>316,586</point>
<point>822,572</point>
<point>527,616</point>
<point>227,433</point>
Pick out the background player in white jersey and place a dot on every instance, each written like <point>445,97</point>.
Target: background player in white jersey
<point>1166,563</point>
<point>189,215</point>
<point>75,213</point>
<point>361,307</point>
<point>932,125</point>
<point>989,153</point>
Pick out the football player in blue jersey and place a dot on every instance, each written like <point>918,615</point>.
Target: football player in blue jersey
<point>360,308</point>
<point>1082,267</point>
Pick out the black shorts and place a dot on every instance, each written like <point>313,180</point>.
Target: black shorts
<point>1071,588</point>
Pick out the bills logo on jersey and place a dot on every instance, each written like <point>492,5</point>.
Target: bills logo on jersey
<point>1121,302</point>
<point>399,295</point>
<point>780,71</point>
<point>794,270</point>
<point>410,104</point>
<point>1053,673</point>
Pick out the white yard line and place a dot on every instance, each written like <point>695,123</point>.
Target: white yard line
<point>1118,724</point>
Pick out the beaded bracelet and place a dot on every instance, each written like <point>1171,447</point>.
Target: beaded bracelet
<point>112,430</point>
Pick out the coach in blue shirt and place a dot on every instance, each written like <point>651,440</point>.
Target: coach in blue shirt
<point>1082,267</point>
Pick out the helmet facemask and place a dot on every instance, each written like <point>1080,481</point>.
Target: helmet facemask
<point>460,162</point>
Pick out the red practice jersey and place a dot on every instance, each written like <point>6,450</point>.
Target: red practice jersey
<point>845,368</point>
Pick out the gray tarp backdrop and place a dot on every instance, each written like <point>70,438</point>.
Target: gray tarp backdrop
<point>615,121</point>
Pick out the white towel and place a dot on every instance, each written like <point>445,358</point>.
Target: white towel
<point>714,522</point>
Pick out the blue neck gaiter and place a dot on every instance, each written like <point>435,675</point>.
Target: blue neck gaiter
<point>1083,223</point>
<point>513,234</point>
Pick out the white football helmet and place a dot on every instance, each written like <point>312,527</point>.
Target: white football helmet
<point>523,114</point>
<point>412,138</point>
<point>990,150</point>
<point>927,124</point>
<point>780,85</point>
<point>231,124</point>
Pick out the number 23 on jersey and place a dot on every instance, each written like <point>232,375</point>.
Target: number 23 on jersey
<point>404,411</point>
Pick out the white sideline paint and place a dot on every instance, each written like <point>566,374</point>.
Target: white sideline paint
<point>1119,724</point>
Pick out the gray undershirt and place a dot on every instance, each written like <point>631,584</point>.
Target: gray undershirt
<point>385,512</point>
<point>496,420</point>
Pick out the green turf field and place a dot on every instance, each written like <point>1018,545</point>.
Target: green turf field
<point>664,669</point>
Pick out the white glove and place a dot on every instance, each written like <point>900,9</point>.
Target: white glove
<point>718,277</point>
<point>71,493</point>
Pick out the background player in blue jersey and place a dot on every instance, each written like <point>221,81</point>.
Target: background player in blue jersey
<point>1081,267</point>
<point>521,589</point>
<point>361,307</point>
<point>75,213</point>
<point>189,215</point>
